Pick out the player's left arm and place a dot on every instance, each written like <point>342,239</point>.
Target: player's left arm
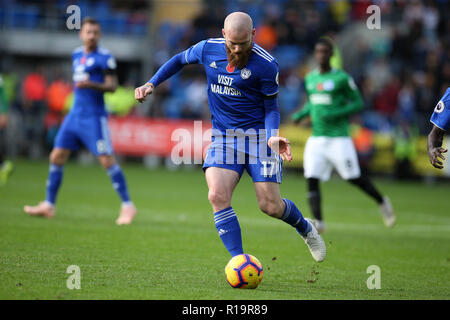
<point>355,101</point>
<point>272,122</point>
<point>269,89</point>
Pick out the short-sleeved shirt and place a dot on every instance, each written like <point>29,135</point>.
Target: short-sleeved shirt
<point>441,114</point>
<point>327,93</point>
<point>236,96</point>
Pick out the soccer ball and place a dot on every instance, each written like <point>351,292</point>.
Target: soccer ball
<point>244,271</point>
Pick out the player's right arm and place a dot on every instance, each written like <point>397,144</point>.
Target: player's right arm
<point>192,55</point>
<point>302,113</point>
<point>441,122</point>
<point>306,110</point>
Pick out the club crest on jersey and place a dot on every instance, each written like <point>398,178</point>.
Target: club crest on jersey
<point>245,73</point>
<point>90,61</point>
<point>439,107</point>
<point>328,85</point>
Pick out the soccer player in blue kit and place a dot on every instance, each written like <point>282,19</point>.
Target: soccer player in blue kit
<point>242,91</point>
<point>441,123</point>
<point>86,124</point>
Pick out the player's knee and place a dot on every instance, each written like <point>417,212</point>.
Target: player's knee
<point>218,199</point>
<point>107,161</point>
<point>58,157</point>
<point>271,208</point>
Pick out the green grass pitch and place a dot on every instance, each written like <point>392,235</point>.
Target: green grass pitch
<point>172,250</point>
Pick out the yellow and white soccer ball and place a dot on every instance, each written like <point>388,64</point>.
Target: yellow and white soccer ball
<point>244,271</point>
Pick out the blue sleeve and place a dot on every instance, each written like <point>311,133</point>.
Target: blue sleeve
<point>109,63</point>
<point>269,80</point>
<point>441,115</point>
<point>272,117</point>
<point>269,90</point>
<point>190,56</point>
<point>195,53</point>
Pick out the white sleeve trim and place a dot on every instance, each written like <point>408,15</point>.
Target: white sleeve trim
<point>437,125</point>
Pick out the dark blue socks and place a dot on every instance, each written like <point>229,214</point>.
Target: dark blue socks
<point>229,230</point>
<point>54,180</point>
<point>118,182</point>
<point>294,217</point>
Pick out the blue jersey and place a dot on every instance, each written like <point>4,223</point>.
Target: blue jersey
<point>90,66</point>
<point>87,123</point>
<point>243,105</point>
<point>236,96</point>
<point>441,115</point>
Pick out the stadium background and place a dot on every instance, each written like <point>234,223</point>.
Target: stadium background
<point>401,69</point>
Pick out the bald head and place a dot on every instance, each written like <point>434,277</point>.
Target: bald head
<point>238,33</point>
<point>238,24</point>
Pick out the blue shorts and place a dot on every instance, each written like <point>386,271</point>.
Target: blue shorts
<point>249,151</point>
<point>89,130</point>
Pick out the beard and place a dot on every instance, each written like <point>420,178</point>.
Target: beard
<point>238,60</point>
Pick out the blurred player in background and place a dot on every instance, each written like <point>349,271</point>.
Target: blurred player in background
<point>6,166</point>
<point>441,123</point>
<point>332,98</point>
<point>242,94</point>
<point>87,124</point>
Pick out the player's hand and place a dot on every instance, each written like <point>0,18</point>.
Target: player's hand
<point>85,84</point>
<point>142,92</point>
<point>3,121</point>
<point>281,146</point>
<point>435,154</point>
